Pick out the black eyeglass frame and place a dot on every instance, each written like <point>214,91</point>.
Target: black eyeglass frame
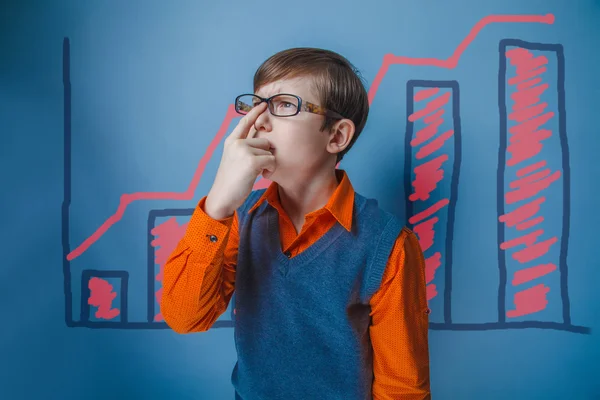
<point>302,106</point>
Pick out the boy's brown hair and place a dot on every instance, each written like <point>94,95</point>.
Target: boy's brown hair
<point>337,82</point>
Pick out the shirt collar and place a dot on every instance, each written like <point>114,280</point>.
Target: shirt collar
<point>340,204</point>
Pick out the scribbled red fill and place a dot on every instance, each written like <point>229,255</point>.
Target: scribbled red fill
<point>102,296</point>
<point>428,174</point>
<point>167,236</point>
<point>531,179</point>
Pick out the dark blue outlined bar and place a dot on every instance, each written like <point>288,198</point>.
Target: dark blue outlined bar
<point>88,274</point>
<point>151,266</point>
<point>456,159</point>
<point>557,49</point>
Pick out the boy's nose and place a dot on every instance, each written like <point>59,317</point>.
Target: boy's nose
<point>263,122</point>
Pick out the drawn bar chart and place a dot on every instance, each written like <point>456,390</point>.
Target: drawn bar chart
<point>532,208</point>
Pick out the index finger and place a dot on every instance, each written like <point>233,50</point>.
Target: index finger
<point>241,131</point>
<point>251,132</point>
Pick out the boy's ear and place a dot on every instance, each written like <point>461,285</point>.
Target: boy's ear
<point>340,136</point>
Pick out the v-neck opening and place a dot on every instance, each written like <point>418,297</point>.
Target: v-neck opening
<point>307,254</point>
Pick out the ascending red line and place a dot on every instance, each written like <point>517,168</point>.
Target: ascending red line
<point>127,199</point>
<point>388,60</point>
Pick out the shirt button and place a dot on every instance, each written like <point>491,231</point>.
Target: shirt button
<point>212,238</point>
<point>288,254</point>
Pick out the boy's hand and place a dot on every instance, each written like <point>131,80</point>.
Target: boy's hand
<point>244,158</point>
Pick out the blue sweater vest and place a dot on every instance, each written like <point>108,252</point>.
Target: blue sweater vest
<point>302,323</point>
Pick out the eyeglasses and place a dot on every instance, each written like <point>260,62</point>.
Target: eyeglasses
<point>281,105</point>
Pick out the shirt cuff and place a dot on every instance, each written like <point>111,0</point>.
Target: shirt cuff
<point>204,232</point>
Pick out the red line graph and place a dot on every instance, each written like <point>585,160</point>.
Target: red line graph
<point>388,60</point>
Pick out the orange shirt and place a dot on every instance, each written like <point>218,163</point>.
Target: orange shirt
<point>199,281</point>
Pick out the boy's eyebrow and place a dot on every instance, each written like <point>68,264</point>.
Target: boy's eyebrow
<point>273,92</point>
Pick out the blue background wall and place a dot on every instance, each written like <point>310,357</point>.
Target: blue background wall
<point>151,86</point>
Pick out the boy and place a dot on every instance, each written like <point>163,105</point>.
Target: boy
<point>330,289</point>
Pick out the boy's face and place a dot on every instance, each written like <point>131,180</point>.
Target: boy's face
<point>300,148</point>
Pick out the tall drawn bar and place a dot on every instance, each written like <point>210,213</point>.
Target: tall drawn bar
<point>432,162</point>
<point>533,184</point>
<point>165,229</point>
<point>163,237</point>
